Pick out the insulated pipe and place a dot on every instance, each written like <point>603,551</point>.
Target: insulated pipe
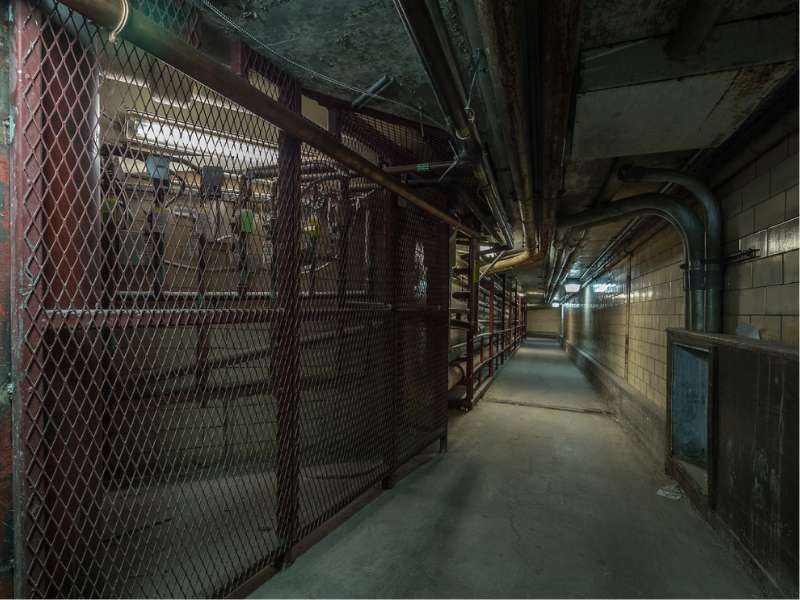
<point>679,215</point>
<point>713,237</point>
<point>442,70</point>
<point>508,75</point>
<point>151,37</point>
<point>525,258</point>
<point>491,264</point>
<point>455,374</point>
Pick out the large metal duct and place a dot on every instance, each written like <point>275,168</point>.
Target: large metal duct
<point>683,219</point>
<point>713,238</point>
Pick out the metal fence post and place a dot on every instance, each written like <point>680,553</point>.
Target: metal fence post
<point>285,363</point>
<point>491,328</point>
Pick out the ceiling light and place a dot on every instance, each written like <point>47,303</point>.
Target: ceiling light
<point>227,149</point>
<point>572,285</point>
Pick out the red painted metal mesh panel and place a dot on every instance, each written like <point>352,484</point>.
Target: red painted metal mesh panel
<point>223,335</point>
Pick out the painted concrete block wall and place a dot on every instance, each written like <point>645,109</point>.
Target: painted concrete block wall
<point>544,320</point>
<point>619,319</point>
<point>760,208</point>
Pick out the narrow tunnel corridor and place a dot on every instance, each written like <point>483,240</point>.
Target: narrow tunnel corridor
<point>542,494</point>
<point>399,298</point>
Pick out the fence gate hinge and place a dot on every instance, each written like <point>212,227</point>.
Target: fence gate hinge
<point>10,124</point>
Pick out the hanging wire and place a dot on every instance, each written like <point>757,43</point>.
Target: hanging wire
<point>475,68</point>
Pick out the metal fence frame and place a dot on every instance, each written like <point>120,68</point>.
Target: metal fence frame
<point>55,344</point>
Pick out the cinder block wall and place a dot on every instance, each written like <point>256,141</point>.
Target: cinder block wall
<point>620,319</point>
<point>616,325</point>
<point>544,321</point>
<point>760,207</point>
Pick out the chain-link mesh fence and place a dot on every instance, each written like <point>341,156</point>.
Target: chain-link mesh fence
<point>223,335</point>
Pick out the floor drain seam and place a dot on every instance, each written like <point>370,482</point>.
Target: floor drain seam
<point>590,411</point>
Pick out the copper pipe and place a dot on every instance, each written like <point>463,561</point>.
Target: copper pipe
<point>154,39</point>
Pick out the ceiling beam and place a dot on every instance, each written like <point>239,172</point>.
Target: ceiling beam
<point>729,46</point>
<point>696,21</point>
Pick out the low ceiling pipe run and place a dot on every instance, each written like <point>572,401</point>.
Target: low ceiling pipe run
<point>515,50</point>
<point>713,237</point>
<point>442,70</point>
<point>151,37</point>
<point>566,249</point>
<point>683,219</point>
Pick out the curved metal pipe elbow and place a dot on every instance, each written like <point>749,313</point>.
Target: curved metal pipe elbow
<point>523,259</point>
<point>682,218</point>
<point>713,237</point>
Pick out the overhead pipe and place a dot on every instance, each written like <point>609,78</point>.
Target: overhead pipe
<point>611,247</point>
<point>427,167</point>
<point>486,270</point>
<point>713,237</point>
<point>529,256</point>
<point>462,192</point>
<point>599,261</point>
<point>558,260</point>
<point>374,90</point>
<point>525,258</point>
<point>599,198</point>
<point>151,37</point>
<point>553,283</point>
<point>683,219</point>
<point>500,131</point>
<point>456,373</point>
<point>508,65</point>
<point>442,70</point>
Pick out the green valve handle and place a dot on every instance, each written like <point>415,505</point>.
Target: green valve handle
<point>247,220</point>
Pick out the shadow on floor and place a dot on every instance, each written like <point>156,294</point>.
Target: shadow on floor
<point>529,502</point>
<point>542,375</point>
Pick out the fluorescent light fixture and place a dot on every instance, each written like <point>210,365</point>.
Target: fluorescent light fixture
<point>556,305</point>
<point>602,288</point>
<point>228,149</point>
<point>572,285</point>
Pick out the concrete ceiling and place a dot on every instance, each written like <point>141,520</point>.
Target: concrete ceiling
<point>620,21</point>
<point>637,104</point>
<point>633,101</point>
<point>355,42</point>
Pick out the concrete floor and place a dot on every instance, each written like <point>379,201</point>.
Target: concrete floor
<point>529,502</point>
